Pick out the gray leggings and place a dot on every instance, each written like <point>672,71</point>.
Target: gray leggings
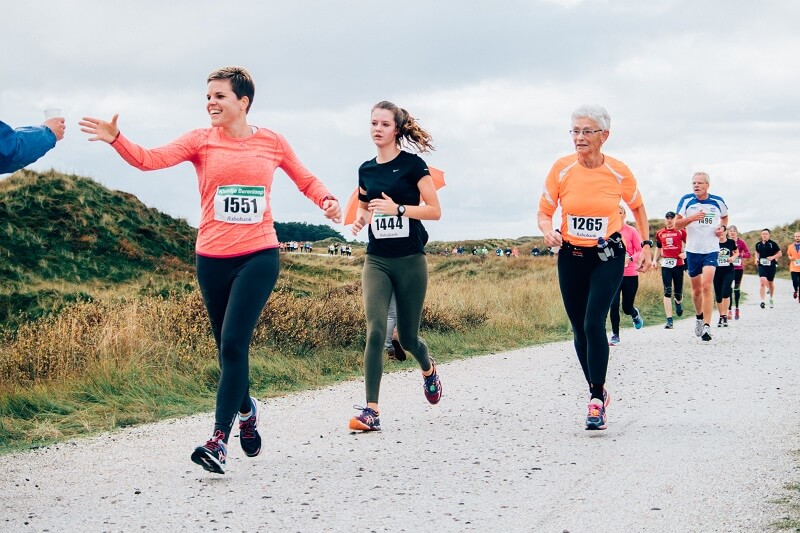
<point>407,278</point>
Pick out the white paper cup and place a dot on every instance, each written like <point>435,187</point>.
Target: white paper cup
<point>52,112</point>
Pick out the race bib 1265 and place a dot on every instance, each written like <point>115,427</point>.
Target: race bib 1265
<point>586,227</point>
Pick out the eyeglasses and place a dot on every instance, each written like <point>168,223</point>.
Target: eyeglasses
<point>585,133</point>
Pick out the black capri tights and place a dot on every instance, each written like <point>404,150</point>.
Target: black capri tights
<point>737,283</point>
<point>723,280</point>
<point>587,287</point>
<point>235,291</point>
<point>673,277</point>
<point>626,294</point>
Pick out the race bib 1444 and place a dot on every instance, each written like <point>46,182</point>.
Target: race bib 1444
<point>389,226</point>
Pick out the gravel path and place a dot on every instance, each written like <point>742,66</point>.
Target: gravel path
<point>702,437</point>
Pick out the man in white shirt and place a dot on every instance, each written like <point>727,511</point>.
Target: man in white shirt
<point>705,217</point>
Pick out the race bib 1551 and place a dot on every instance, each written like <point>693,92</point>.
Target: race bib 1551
<point>240,204</point>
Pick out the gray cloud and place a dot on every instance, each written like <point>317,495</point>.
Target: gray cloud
<point>689,85</point>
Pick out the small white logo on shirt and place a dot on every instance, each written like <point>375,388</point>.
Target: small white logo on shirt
<point>395,170</point>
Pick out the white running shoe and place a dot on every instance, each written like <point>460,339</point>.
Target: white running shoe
<point>698,326</point>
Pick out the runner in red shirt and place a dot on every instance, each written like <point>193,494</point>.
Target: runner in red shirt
<point>669,254</point>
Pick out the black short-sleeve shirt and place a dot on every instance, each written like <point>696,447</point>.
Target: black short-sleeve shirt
<point>726,250</point>
<point>767,249</point>
<point>399,179</point>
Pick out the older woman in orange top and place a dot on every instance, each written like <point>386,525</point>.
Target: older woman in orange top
<point>588,186</point>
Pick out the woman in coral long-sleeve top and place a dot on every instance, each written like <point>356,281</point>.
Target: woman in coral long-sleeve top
<point>237,247</point>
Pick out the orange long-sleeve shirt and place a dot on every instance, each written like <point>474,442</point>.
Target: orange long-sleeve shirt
<point>588,198</point>
<point>794,258</point>
<point>233,220</point>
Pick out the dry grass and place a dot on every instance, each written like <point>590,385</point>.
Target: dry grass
<point>129,359</point>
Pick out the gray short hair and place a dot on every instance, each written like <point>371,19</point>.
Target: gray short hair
<point>705,175</point>
<point>593,112</point>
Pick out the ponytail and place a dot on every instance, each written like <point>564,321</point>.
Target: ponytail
<point>409,132</point>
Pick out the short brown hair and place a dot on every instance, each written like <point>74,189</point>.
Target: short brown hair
<point>241,82</point>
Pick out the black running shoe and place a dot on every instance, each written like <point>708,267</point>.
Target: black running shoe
<point>249,437</point>
<point>399,352</point>
<point>211,455</point>
<point>706,335</point>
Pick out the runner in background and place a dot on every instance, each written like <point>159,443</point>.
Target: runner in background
<point>393,349</point>
<point>704,216</point>
<point>630,281</point>
<point>391,187</point>
<point>793,253</point>
<point>588,186</point>
<point>723,277</point>
<point>670,255</point>
<point>767,254</point>
<point>738,268</point>
<point>237,249</point>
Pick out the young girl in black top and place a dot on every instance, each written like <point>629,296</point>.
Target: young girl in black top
<point>391,190</point>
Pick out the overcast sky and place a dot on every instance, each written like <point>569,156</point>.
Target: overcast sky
<point>690,85</point>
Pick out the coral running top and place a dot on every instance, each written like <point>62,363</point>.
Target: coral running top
<point>234,177</point>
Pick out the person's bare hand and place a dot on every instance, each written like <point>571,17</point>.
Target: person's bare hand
<point>57,126</point>
<point>552,238</point>
<point>99,129</point>
<point>332,210</point>
<point>358,225</point>
<point>383,206</point>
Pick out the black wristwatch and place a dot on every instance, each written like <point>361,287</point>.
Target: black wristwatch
<point>401,210</point>
<point>647,242</point>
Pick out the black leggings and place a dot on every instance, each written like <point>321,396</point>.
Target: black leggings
<point>628,288</point>
<point>737,283</point>
<point>587,287</point>
<point>796,280</point>
<point>235,291</point>
<point>673,277</point>
<point>723,278</point>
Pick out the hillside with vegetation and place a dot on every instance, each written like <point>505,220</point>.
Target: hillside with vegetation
<point>66,238</point>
